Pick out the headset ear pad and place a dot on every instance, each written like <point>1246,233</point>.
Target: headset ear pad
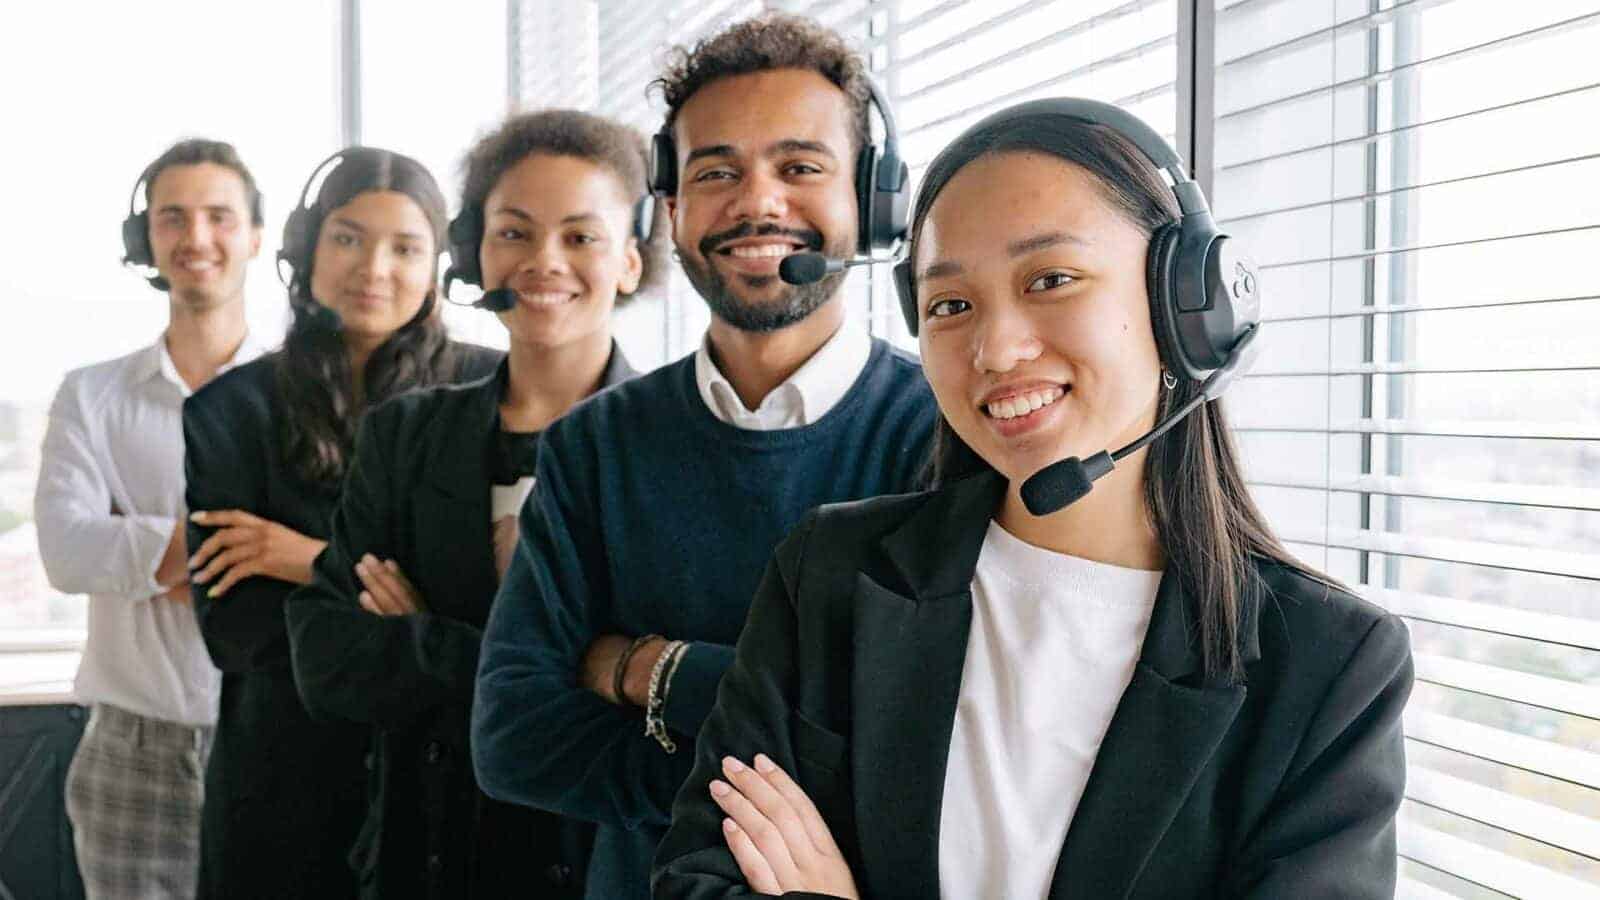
<point>1163,308</point>
<point>136,249</point>
<point>465,235</point>
<point>663,164</point>
<point>907,292</point>
<point>866,174</point>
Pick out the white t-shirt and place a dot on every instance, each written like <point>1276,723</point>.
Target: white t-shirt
<point>1053,645</point>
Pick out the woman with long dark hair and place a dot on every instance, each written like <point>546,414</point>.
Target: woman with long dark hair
<point>980,691</point>
<point>267,445</point>
<point>388,631</point>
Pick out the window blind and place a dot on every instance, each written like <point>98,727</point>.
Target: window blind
<point>1416,180</point>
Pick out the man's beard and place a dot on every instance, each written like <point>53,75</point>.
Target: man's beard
<point>793,305</point>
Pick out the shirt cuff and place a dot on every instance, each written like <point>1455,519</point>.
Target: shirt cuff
<point>149,542</point>
<point>694,686</point>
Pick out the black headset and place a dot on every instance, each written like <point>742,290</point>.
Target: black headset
<point>466,240</point>
<point>883,195</point>
<point>1204,293</point>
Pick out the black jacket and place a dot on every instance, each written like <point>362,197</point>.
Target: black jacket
<point>284,795</point>
<point>418,493</point>
<point>848,673</point>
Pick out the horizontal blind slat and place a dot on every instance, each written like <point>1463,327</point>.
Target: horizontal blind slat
<point>1487,866</point>
<point>1525,818</point>
<point>1543,692</point>
<point>1504,747</point>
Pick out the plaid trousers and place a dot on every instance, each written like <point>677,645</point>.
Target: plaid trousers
<point>134,791</point>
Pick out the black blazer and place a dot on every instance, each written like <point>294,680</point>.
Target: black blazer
<point>848,673</point>
<point>418,493</point>
<point>284,795</point>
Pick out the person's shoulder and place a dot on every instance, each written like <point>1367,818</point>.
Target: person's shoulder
<point>473,361</point>
<point>849,532</point>
<point>242,390</point>
<point>1309,615</point>
<point>96,381</point>
<point>631,404</point>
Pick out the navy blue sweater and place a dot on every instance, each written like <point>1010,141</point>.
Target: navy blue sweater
<point>649,515</point>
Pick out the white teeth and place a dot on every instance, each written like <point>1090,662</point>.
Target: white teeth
<point>547,299</point>
<point>760,251</point>
<point>1022,404</point>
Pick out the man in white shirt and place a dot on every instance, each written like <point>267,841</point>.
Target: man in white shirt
<point>111,525</point>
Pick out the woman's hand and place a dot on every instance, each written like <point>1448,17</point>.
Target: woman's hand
<point>776,834</point>
<point>388,591</point>
<point>244,545</point>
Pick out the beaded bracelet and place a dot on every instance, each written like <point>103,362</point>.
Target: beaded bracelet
<point>654,725</point>
<point>620,672</point>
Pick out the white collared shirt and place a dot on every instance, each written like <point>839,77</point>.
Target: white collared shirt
<point>803,398</point>
<point>110,492</point>
<point>1052,647</point>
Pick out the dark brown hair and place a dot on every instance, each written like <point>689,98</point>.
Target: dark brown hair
<point>194,152</point>
<point>766,42</point>
<point>315,385</point>
<point>568,132</point>
<point>1195,494</point>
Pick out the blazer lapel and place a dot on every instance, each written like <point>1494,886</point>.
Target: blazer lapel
<point>910,646</point>
<point>1165,730</point>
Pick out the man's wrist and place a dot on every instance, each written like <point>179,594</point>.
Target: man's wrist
<point>636,682</point>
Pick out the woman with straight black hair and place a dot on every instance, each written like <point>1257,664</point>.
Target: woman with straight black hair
<point>977,691</point>
<point>267,446</point>
<point>388,631</point>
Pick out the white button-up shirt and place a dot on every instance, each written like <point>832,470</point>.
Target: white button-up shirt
<point>110,493</point>
<point>803,398</point>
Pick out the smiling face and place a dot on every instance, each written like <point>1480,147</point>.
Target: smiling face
<point>765,169</point>
<point>557,230</point>
<point>374,263</point>
<point>1035,318</point>
<point>201,233</point>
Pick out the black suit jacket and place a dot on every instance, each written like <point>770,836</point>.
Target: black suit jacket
<point>848,673</point>
<point>284,795</point>
<point>418,493</point>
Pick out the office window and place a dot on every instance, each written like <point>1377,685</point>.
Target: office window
<point>1416,179</point>
<point>83,122</point>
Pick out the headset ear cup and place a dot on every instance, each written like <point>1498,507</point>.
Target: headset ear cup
<point>907,292</point>
<point>465,234</point>
<point>866,178</point>
<point>1163,302</point>
<point>136,249</point>
<point>663,164</point>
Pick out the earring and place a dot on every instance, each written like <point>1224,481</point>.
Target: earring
<point>1168,379</point>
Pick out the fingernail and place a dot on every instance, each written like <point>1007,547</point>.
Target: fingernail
<point>732,765</point>
<point>730,826</point>
<point>212,593</point>
<point>763,764</point>
<point>198,579</point>
<point>198,516</point>
<point>366,559</point>
<point>366,597</point>
<point>719,789</point>
<point>391,565</point>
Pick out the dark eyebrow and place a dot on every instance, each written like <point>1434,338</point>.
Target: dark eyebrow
<point>703,152</point>
<point>353,226</point>
<point>1041,241</point>
<point>567,220</point>
<point>795,145</point>
<point>1021,247</point>
<point>942,269</point>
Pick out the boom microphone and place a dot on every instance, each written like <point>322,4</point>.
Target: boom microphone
<point>1063,483</point>
<point>810,268</point>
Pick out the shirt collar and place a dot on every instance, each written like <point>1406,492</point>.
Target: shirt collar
<point>157,361</point>
<point>814,388</point>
